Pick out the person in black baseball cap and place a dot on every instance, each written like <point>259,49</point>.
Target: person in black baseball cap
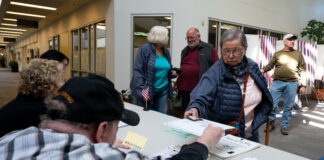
<point>82,123</point>
<point>92,99</point>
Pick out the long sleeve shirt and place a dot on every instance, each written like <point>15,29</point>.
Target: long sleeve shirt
<point>36,143</point>
<point>287,65</point>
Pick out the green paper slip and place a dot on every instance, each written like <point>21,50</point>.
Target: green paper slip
<point>179,133</point>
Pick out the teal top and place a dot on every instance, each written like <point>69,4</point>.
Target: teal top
<point>162,68</point>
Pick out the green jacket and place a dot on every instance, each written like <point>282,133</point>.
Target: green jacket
<point>288,64</point>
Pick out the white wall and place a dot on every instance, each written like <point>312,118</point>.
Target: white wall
<point>253,47</point>
<point>286,16</point>
<point>319,9</point>
<point>320,62</point>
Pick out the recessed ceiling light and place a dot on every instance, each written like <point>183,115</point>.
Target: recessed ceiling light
<point>7,36</point>
<point>32,5</point>
<point>12,29</point>
<point>25,14</point>
<point>9,24</point>
<point>14,35</point>
<point>11,32</point>
<point>10,19</point>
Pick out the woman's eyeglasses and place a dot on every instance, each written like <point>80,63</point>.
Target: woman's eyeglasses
<point>235,51</point>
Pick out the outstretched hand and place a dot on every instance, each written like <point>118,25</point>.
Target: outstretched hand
<point>210,136</point>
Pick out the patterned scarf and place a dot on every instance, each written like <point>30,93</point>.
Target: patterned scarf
<point>238,71</point>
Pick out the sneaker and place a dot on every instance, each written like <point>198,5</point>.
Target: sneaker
<point>271,126</point>
<point>284,131</point>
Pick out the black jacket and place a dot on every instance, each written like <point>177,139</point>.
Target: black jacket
<point>218,96</point>
<point>21,113</point>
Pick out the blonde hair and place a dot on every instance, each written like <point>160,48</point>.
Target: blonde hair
<point>158,35</point>
<point>40,78</point>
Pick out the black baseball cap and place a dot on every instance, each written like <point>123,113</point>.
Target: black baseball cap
<point>92,99</point>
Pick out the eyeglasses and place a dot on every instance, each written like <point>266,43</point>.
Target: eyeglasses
<point>235,51</point>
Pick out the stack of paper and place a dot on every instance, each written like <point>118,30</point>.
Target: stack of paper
<point>230,145</point>
<point>194,127</point>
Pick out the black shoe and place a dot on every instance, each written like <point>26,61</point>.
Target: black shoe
<point>284,131</point>
<point>271,126</point>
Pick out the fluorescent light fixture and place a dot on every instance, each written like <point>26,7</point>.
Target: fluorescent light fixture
<point>3,34</point>
<point>25,14</point>
<point>11,32</point>
<point>167,18</point>
<point>10,19</point>
<point>4,42</point>
<point>215,26</point>
<point>168,27</point>
<point>8,24</point>
<point>7,36</point>
<point>32,5</point>
<point>12,29</point>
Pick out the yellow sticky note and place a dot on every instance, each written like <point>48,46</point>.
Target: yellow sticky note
<point>135,140</point>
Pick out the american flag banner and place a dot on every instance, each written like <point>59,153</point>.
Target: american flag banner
<point>267,49</point>
<point>145,93</point>
<point>309,52</point>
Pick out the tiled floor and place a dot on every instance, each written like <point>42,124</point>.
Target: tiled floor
<point>8,85</point>
<point>306,132</point>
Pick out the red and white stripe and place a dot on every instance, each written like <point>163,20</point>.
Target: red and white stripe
<point>267,49</point>
<point>145,93</point>
<point>310,52</point>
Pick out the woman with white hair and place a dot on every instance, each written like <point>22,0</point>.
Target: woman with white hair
<point>151,82</point>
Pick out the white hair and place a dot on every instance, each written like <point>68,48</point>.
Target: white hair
<point>158,35</point>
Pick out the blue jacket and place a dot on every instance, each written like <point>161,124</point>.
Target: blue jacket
<point>143,75</point>
<point>218,96</point>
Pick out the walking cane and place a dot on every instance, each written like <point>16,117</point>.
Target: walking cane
<point>267,132</point>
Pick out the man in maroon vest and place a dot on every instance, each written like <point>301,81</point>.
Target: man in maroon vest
<point>196,58</point>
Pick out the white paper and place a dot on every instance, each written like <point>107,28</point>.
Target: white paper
<point>194,127</point>
<point>167,152</point>
<point>230,145</point>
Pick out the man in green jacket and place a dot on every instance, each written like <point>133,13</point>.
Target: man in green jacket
<point>288,63</point>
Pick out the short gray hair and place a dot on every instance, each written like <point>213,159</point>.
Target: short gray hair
<point>158,35</point>
<point>197,31</point>
<point>59,106</point>
<point>234,34</point>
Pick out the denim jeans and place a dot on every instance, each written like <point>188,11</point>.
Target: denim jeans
<point>160,101</point>
<point>288,89</point>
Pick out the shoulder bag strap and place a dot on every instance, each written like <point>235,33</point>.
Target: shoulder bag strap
<point>244,92</point>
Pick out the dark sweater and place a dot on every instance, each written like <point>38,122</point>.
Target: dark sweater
<point>20,113</point>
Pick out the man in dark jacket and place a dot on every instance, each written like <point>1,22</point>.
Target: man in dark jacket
<point>196,58</point>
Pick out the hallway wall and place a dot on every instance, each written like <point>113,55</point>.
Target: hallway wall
<point>285,16</point>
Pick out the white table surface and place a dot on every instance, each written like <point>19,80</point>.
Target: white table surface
<point>151,126</point>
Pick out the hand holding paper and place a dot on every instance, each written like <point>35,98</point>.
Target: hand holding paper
<point>192,112</point>
<point>210,136</point>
